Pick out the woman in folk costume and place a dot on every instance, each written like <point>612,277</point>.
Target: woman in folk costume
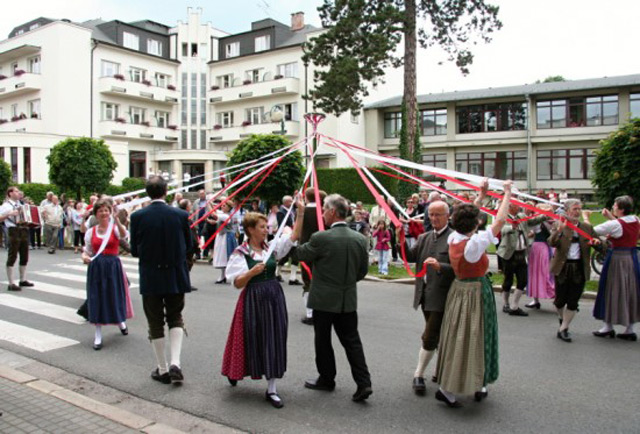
<point>468,357</point>
<point>257,342</point>
<point>618,300</point>
<point>540,282</point>
<point>225,241</point>
<point>107,285</point>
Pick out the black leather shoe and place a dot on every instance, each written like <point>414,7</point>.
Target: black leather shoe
<point>518,312</point>
<point>628,336</point>
<point>506,308</point>
<point>610,333</point>
<point>295,282</point>
<point>97,347</point>
<point>25,283</point>
<point>307,321</point>
<point>232,382</point>
<point>564,335</point>
<point>124,331</point>
<point>193,288</point>
<point>162,378</point>
<point>480,395</point>
<point>419,387</point>
<point>320,384</point>
<point>13,287</point>
<point>362,394</point>
<point>175,374</point>
<point>277,403</point>
<point>533,305</point>
<point>221,281</point>
<point>280,279</point>
<point>452,404</point>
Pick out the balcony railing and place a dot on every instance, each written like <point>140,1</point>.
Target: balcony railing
<point>138,91</point>
<point>251,91</point>
<point>236,133</point>
<point>20,84</point>
<point>137,132</point>
<point>21,125</point>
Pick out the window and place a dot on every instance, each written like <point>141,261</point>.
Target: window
<point>185,49</point>
<point>634,105</point>
<point>137,163</point>
<point>20,32</point>
<point>162,119</point>
<point>288,70</point>
<point>2,154</point>
<point>203,98</point>
<point>263,43</point>
<point>137,74</point>
<point>433,122</point>
<point>194,111</point>
<point>33,27</point>
<point>578,112</point>
<point>110,111</point>
<point>14,67</point>
<point>203,139</point>
<point>109,69</point>
<point>14,164</point>
<point>501,165</point>
<point>34,65</point>
<point>154,47</point>
<point>14,110</point>
<point>254,75</point>
<point>183,100</point>
<point>183,139</point>
<point>26,157</point>
<point>129,40</point>
<point>232,49</point>
<point>162,80</point>
<point>392,124</point>
<point>137,115</point>
<point>435,160</point>
<point>225,80</point>
<point>1,115</point>
<point>565,164</point>
<point>34,108</point>
<point>290,111</point>
<point>254,115</point>
<point>194,139</point>
<point>225,119</point>
<point>194,50</point>
<point>492,117</point>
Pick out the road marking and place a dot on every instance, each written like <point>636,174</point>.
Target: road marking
<point>71,277</point>
<point>129,259</point>
<point>31,338</point>
<point>41,308</point>
<point>80,294</point>
<point>127,264</point>
<point>84,268</point>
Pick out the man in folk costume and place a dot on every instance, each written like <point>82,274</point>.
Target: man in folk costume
<point>18,240</point>
<point>161,237</point>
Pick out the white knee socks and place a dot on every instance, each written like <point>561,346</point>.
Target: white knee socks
<point>505,297</point>
<point>424,357</point>
<point>10,275</point>
<point>516,298</point>
<point>97,340</point>
<point>567,318</point>
<point>629,329</point>
<point>607,327</point>
<point>305,299</point>
<point>175,340</point>
<point>23,272</point>
<point>294,273</point>
<point>158,350</point>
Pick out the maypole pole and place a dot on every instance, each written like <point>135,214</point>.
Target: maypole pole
<point>314,119</point>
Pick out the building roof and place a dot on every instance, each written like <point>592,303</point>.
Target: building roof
<point>516,91</point>
<point>96,33</point>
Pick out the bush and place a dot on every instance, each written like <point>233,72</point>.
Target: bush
<point>37,192</point>
<point>347,183</point>
<point>6,177</point>
<point>133,184</point>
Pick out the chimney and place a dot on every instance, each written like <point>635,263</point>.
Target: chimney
<point>297,21</point>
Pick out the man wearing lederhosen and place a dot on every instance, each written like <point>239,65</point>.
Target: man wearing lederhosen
<point>18,239</point>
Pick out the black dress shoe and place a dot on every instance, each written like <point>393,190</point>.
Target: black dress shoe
<point>610,333</point>
<point>218,282</point>
<point>518,312</point>
<point>232,382</point>
<point>320,384</point>
<point>564,335</point>
<point>280,279</point>
<point>277,403</point>
<point>506,308</point>
<point>175,374</point>
<point>480,395</point>
<point>362,394</point>
<point>453,404</point>
<point>162,378</point>
<point>419,387</point>
<point>628,336</point>
<point>13,287</point>
<point>25,283</point>
<point>307,321</point>
<point>97,347</point>
<point>124,331</point>
<point>295,282</point>
<point>533,305</point>
<point>193,288</point>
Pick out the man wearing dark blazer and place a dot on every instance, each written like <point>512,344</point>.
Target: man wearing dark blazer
<point>432,251</point>
<point>160,237</point>
<point>340,259</point>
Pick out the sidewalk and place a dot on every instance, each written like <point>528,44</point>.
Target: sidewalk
<point>29,404</point>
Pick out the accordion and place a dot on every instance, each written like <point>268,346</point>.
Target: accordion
<point>29,216</point>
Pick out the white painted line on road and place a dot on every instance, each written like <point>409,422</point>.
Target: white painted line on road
<point>71,277</point>
<point>129,259</point>
<point>83,268</point>
<point>80,294</point>
<point>31,338</point>
<point>41,308</point>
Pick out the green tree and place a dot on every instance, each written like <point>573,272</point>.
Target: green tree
<point>81,164</point>
<point>285,178</point>
<point>552,79</point>
<point>6,177</point>
<point>362,36</point>
<point>616,163</point>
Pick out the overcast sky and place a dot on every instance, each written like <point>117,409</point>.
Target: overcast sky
<point>573,38</point>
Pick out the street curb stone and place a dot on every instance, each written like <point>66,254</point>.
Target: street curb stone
<point>15,376</point>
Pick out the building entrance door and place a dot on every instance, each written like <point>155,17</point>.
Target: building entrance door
<point>192,174</point>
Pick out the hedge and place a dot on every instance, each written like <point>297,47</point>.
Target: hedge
<point>347,183</point>
<point>37,192</point>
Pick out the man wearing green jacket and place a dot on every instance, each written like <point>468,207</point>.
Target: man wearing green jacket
<point>340,259</point>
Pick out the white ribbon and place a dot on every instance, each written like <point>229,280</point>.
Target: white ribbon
<point>105,240</point>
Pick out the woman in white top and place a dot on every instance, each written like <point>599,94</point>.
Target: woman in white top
<point>225,241</point>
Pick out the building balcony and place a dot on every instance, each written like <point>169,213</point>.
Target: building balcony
<point>20,84</point>
<point>237,133</point>
<point>112,129</point>
<point>26,125</point>
<point>253,91</point>
<point>138,91</point>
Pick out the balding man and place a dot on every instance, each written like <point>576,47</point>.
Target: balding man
<point>433,197</point>
<point>432,251</point>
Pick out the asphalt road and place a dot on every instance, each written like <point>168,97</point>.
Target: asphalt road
<point>545,385</point>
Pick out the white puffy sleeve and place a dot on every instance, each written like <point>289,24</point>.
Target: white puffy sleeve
<point>283,246</point>
<point>236,266</point>
<point>477,245</point>
<point>87,242</point>
<point>612,228</point>
<point>120,236</point>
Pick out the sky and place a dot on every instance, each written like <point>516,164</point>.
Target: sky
<point>574,38</point>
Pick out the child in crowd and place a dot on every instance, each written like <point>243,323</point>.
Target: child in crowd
<point>382,236</point>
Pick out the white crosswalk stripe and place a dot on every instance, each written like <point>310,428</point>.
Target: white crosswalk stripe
<point>31,338</point>
<point>75,277</point>
<point>80,294</point>
<point>129,269</point>
<point>41,308</point>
